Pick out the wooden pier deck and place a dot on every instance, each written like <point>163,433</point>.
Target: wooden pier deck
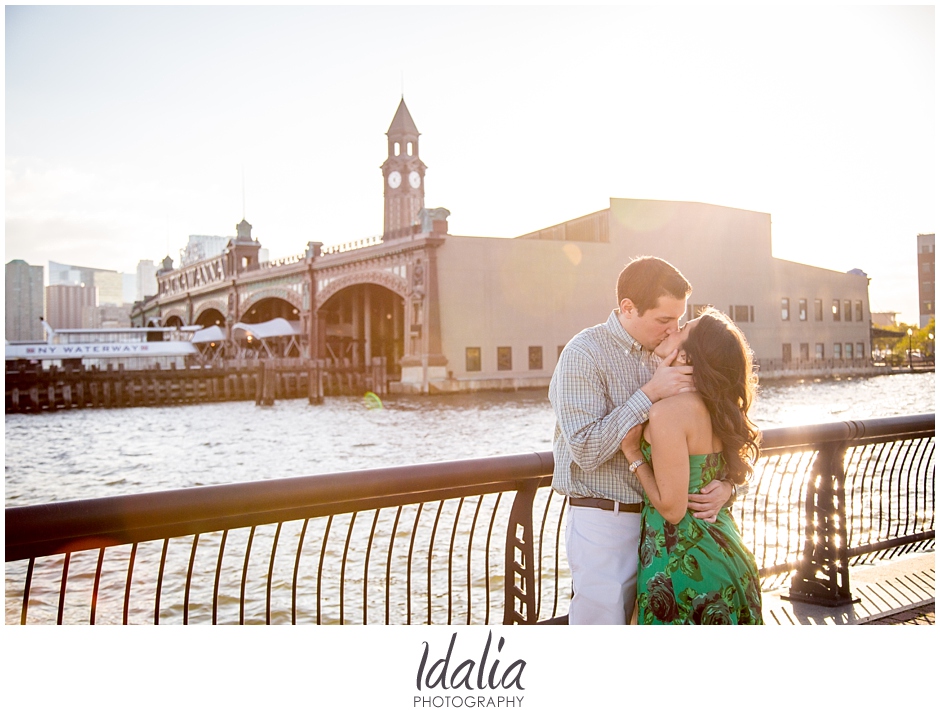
<point>884,591</point>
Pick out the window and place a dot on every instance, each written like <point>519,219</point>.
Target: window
<point>787,352</point>
<point>503,358</point>
<point>474,363</point>
<point>803,311</point>
<point>859,351</point>
<point>804,351</point>
<point>848,351</point>
<point>397,148</point>
<point>847,311</point>
<point>817,304</point>
<point>535,357</point>
<point>784,309</point>
<point>742,314</point>
<point>836,313</point>
<point>820,351</point>
<point>858,311</point>
<point>837,351</point>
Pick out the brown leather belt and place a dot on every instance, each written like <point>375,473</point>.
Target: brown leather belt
<point>605,504</point>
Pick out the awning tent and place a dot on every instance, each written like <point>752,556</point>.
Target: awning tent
<point>270,332</point>
<point>276,328</point>
<point>212,334</point>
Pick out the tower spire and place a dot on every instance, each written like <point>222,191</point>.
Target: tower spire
<point>404,175</point>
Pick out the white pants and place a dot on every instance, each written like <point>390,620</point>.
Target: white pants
<point>603,555</point>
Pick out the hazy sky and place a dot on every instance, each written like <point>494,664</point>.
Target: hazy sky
<point>130,128</point>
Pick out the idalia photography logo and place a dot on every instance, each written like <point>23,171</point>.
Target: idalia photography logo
<point>483,679</point>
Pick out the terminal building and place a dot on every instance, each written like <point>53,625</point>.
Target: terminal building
<point>456,313</point>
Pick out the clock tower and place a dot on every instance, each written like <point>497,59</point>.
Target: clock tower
<point>403,172</point>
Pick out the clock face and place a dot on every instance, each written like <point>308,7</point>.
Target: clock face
<point>394,179</point>
<point>414,179</point>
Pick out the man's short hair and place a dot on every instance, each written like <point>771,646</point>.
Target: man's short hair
<point>645,279</point>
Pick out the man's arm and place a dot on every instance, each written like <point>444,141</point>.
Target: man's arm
<point>707,503</point>
<point>715,496</point>
<point>580,398</point>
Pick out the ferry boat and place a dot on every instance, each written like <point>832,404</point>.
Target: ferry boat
<point>134,348</point>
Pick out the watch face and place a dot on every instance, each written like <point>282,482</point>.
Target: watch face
<point>414,179</point>
<point>394,179</point>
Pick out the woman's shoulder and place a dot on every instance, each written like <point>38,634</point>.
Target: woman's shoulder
<point>686,404</point>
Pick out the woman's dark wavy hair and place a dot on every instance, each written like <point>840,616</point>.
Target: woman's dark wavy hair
<point>722,369</point>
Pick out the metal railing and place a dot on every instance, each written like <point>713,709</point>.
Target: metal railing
<point>461,542</point>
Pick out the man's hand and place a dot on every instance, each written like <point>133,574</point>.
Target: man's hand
<point>668,380</point>
<point>707,503</point>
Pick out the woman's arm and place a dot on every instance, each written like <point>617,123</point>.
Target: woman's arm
<point>667,487</point>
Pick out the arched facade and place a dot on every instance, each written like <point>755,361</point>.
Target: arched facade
<point>260,310</point>
<point>208,316</point>
<point>363,321</point>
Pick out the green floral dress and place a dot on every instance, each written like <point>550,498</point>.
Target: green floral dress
<point>696,572</point>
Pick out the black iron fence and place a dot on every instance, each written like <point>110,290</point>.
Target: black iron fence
<point>464,542</point>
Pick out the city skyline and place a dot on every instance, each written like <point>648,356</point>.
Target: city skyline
<point>529,116</point>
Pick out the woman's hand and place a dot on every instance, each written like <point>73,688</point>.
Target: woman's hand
<point>631,443</point>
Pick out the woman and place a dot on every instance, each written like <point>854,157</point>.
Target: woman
<point>693,571</point>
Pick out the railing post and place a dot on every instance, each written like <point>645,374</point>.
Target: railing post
<point>823,574</point>
<point>520,559</point>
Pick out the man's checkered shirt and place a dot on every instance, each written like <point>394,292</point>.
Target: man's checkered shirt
<point>596,395</point>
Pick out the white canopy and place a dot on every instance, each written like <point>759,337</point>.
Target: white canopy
<point>212,334</point>
<point>276,328</point>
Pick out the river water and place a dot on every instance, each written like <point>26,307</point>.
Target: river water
<point>76,454</point>
<point>92,453</point>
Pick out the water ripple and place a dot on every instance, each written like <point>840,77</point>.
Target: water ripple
<point>90,453</point>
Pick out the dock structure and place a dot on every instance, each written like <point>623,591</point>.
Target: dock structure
<point>33,389</point>
<point>840,517</point>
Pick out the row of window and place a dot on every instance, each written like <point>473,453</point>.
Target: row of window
<point>848,351</point>
<point>504,358</point>
<point>840,351</point>
<point>841,310</point>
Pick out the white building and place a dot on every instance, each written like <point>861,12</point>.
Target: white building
<point>146,279</point>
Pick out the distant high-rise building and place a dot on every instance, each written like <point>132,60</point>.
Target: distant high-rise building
<point>110,283</point>
<point>24,301</point>
<point>65,274</point>
<point>201,246</point>
<point>70,305</point>
<point>129,290</point>
<point>926,284</point>
<point>66,304</point>
<point>109,317</point>
<point>146,279</point>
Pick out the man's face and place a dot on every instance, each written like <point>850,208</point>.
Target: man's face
<point>676,341</point>
<point>656,324</point>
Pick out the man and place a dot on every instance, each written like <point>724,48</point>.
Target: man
<point>606,380</point>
